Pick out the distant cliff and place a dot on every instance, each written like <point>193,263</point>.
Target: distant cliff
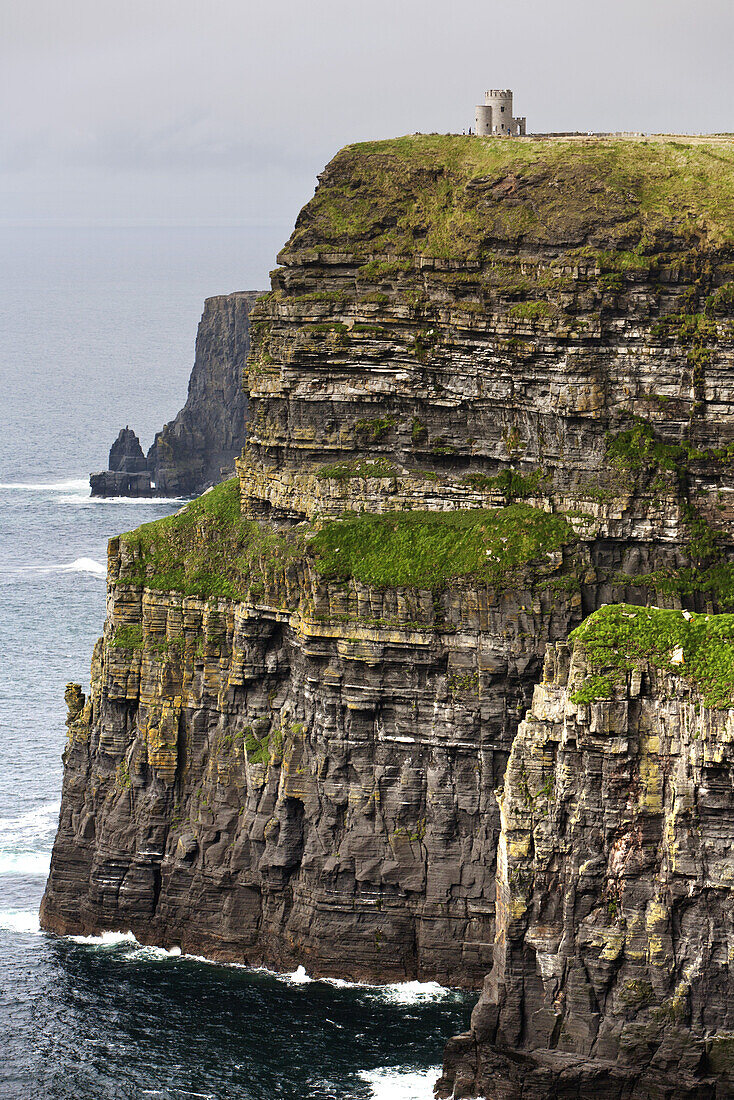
<point>194,450</point>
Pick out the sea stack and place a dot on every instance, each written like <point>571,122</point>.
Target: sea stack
<point>198,447</point>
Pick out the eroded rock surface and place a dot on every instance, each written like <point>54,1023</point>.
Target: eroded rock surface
<point>297,721</point>
<point>613,971</point>
<point>305,780</point>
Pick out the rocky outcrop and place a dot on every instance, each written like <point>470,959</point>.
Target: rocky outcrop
<point>198,447</point>
<point>491,390</point>
<point>128,473</point>
<point>613,971</point>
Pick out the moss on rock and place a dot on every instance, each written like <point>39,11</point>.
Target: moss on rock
<point>620,637</point>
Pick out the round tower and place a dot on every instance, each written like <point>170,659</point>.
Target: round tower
<point>482,120</point>
<point>500,102</point>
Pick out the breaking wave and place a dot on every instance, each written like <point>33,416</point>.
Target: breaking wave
<point>25,863</point>
<point>20,920</point>
<point>70,485</point>
<point>106,939</point>
<point>401,1083</point>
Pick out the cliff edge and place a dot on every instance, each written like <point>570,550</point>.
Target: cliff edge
<point>613,952</point>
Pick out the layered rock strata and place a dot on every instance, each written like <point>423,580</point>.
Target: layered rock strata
<point>613,971</point>
<point>198,447</point>
<point>491,389</point>
<point>443,319</point>
<point>303,774</point>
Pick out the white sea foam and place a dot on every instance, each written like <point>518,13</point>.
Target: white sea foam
<point>21,837</point>
<point>135,950</point>
<point>85,565</point>
<point>409,993</point>
<point>106,939</point>
<point>87,498</point>
<point>401,1083</point>
<point>77,491</point>
<point>405,993</point>
<point>20,920</point>
<point>25,863</point>
<point>169,1092</point>
<point>79,565</point>
<point>70,485</point>
<point>298,977</point>
<point>35,824</point>
<point>153,953</point>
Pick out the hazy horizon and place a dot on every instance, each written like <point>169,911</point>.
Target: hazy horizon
<point>185,113</point>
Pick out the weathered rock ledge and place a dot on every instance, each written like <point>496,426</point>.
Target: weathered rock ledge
<point>301,774</point>
<point>491,390</point>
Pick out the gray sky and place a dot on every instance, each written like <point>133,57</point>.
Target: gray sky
<point>222,112</point>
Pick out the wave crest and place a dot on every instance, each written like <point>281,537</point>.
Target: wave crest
<point>401,1082</point>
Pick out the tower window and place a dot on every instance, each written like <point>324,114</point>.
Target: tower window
<point>502,109</point>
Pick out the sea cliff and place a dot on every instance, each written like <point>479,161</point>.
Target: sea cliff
<point>198,447</point>
<point>613,948</point>
<point>491,390</point>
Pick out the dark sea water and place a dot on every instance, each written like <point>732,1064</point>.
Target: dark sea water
<point>96,331</point>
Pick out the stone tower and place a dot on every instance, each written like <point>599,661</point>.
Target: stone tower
<point>493,118</point>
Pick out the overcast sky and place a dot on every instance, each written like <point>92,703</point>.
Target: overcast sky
<point>222,112</point>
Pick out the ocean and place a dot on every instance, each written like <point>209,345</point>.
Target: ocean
<point>97,331</point>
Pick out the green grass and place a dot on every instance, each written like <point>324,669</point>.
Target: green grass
<point>374,428</point>
<point>210,551</point>
<point>128,637</point>
<point>619,637</point>
<point>207,550</point>
<point>531,311</point>
<point>432,549</point>
<point>447,195</point>
<point>512,484</point>
<point>257,749</point>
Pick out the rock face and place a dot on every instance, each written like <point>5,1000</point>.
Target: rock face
<point>198,447</point>
<point>491,390</point>
<point>613,971</point>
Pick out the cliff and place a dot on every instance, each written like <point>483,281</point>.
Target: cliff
<point>612,973</point>
<point>293,735</point>
<point>193,450</point>
<point>491,390</point>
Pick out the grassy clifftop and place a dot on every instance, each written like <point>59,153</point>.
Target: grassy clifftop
<point>454,196</point>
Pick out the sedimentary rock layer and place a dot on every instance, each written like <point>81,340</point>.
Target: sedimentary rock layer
<point>447,315</point>
<point>613,970</point>
<point>199,446</point>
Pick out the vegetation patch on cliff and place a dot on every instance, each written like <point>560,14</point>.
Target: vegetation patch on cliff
<point>209,550</point>
<point>699,648</point>
<point>424,549</point>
